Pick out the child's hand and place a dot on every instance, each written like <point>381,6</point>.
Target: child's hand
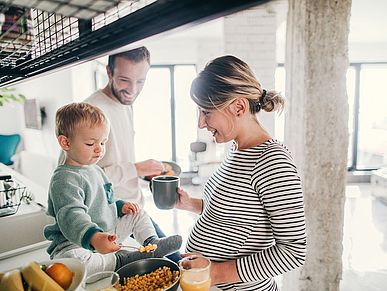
<point>104,242</point>
<point>130,208</point>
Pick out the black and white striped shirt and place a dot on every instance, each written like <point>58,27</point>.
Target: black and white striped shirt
<point>253,212</point>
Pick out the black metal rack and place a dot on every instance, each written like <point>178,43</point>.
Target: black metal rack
<point>41,41</point>
<point>12,194</point>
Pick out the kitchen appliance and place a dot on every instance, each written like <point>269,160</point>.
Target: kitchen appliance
<point>12,194</point>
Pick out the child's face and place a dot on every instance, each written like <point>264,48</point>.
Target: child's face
<point>87,145</point>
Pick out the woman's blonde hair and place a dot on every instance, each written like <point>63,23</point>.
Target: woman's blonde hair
<point>227,78</point>
<point>70,116</point>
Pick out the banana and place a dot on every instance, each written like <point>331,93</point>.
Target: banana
<point>38,280</point>
<point>11,281</point>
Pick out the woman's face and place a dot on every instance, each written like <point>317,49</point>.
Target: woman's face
<point>220,122</point>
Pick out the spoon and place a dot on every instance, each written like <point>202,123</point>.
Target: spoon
<point>129,247</point>
<point>141,249</point>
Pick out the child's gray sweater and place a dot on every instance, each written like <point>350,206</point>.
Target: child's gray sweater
<point>81,200</point>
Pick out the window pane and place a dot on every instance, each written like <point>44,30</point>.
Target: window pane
<point>152,117</point>
<point>372,145</point>
<point>351,99</point>
<point>186,120</point>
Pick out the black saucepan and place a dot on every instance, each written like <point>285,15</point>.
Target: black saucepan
<point>146,266</point>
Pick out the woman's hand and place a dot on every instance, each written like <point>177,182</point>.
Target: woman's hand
<point>220,272</point>
<point>185,202</point>
<point>224,272</point>
<point>130,208</point>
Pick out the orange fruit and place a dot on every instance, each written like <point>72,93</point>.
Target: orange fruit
<point>61,274</point>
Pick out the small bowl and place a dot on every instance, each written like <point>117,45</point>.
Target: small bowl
<point>76,266</point>
<point>146,266</point>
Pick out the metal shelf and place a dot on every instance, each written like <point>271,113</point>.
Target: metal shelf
<point>57,41</point>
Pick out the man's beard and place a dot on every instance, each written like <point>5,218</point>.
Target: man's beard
<point>120,98</point>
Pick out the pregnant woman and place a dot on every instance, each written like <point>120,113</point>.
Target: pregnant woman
<point>252,223</point>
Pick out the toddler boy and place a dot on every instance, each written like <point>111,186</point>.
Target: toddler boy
<point>89,223</point>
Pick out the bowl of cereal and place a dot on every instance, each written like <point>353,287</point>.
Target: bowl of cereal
<point>149,274</point>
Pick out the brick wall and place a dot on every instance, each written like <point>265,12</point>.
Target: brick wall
<point>251,36</point>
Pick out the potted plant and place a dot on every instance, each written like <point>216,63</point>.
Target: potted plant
<point>8,95</point>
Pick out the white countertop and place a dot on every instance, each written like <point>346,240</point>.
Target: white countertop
<point>39,193</point>
<point>24,229</point>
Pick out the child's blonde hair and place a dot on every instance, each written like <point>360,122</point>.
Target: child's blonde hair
<point>70,116</point>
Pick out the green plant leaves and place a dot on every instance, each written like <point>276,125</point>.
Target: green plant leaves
<point>8,95</point>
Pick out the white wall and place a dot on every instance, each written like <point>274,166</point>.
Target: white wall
<point>368,52</point>
<point>51,91</point>
<point>172,51</point>
<point>11,118</point>
<point>83,81</point>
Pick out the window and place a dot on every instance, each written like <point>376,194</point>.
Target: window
<point>186,115</point>
<point>152,117</point>
<point>166,96</point>
<point>352,117</point>
<point>367,124</point>
<point>372,110</point>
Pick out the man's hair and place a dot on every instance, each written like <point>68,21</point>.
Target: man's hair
<point>135,55</point>
<point>70,116</point>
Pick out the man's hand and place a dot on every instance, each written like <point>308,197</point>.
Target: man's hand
<point>149,168</point>
<point>130,208</point>
<point>104,242</point>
